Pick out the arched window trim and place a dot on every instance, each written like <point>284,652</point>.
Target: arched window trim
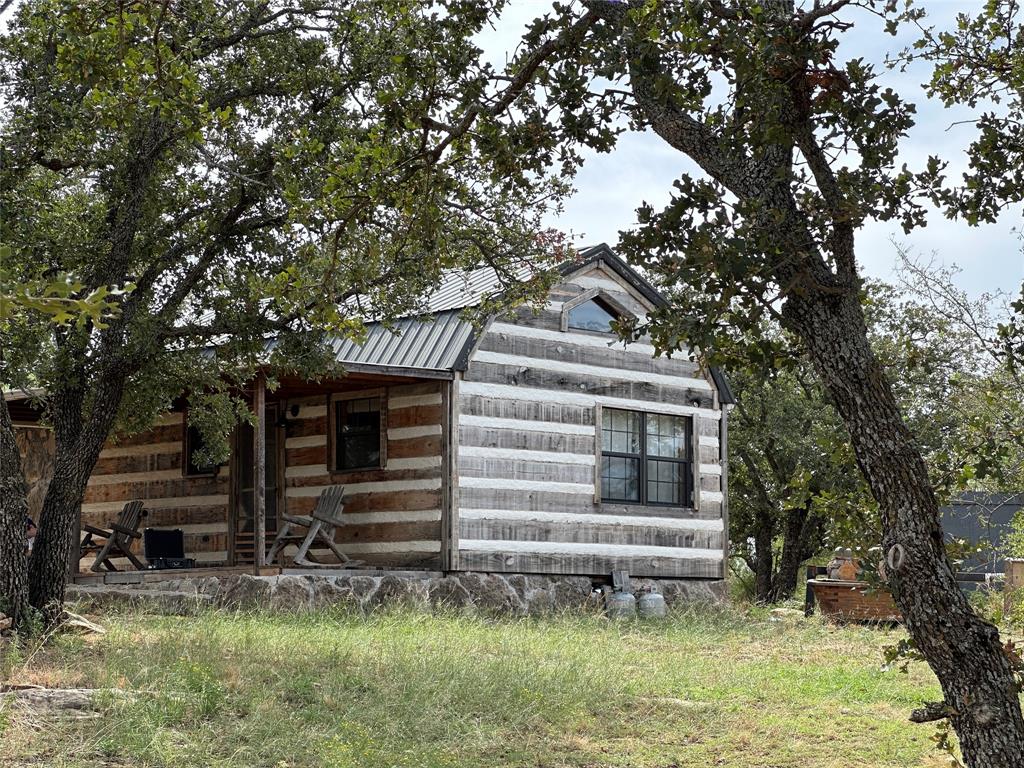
<point>592,293</point>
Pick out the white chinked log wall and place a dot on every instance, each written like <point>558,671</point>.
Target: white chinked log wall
<point>528,411</point>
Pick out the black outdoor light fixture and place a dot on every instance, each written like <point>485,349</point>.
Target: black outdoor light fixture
<point>282,419</point>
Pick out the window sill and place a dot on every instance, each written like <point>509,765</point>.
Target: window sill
<point>597,334</point>
<point>355,470</point>
<point>200,475</point>
<point>643,506</point>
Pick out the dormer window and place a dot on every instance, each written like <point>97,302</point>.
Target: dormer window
<point>592,315</point>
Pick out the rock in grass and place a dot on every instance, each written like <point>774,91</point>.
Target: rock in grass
<point>790,615</point>
<point>78,702</point>
<point>492,594</point>
<point>330,591</point>
<point>78,623</point>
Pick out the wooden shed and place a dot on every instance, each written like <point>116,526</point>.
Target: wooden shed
<point>539,444</point>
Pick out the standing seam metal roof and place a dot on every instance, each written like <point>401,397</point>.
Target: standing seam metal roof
<point>434,342</point>
<point>437,340</point>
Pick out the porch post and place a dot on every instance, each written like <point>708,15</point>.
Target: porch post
<point>259,402</point>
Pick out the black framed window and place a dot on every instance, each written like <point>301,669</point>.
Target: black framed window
<point>646,458</point>
<point>593,315</point>
<point>193,444</point>
<point>357,433</point>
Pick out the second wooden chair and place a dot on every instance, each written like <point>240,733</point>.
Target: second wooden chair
<point>319,526</point>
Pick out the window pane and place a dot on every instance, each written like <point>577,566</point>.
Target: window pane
<point>246,470</point>
<point>666,482</point>
<point>270,440</point>
<point>591,316</point>
<point>620,431</point>
<point>360,451</point>
<point>361,415</point>
<point>357,424</point>
<point>668,436</point>
<point>620,478</point>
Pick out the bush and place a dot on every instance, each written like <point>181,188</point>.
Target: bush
<point>989,604</point>
<point>1013,542</point>
<point>1015,609</point>
<point>741,582</point>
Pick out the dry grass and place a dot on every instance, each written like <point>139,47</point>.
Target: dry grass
<point>405,689</point>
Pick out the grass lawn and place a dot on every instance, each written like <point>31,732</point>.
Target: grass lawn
<point>406,689</point>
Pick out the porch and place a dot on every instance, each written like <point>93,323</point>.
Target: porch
<point>378,434</point>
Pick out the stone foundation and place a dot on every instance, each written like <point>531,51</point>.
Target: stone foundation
<point>491,593</point>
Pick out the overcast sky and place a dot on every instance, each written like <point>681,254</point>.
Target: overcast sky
<point>642,167</point>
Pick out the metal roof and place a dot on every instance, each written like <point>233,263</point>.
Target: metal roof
<point>441,340</point>
<point>435,342</point>
<point>460,289</point>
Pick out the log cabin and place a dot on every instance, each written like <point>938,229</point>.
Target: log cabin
<point>538,443</point>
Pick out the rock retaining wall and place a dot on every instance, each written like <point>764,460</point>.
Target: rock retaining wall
<point>503,594</point>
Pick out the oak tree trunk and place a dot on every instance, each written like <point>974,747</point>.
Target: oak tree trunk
<point>13,513</point>
<point>775,579</point>
<point>962,649</point>
<point>763,557</point>
<point>794,552</point>
<point>58,530</point>
<point>79,437</point>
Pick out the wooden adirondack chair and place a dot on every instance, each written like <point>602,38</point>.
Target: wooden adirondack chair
<point>118,540</point>
<point>319,526</point>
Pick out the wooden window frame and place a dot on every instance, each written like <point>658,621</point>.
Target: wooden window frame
<point>643,458</point>
<point>588,295</point>
<point>332,426</point>
<point>186,448</point>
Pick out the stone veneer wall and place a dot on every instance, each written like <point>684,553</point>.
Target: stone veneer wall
<point>504,594</point>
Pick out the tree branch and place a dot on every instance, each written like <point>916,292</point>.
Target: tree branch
<point>932,711</point>
<point>519,83</point>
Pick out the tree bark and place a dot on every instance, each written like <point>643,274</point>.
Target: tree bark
<point>80,434</point>
<point>13,514</point>
<point>794,539</point>
<point>962,649</point>
<point>764,559</point>
<point>58,527</point>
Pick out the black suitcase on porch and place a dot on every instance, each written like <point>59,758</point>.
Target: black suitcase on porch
<point>165,549</point>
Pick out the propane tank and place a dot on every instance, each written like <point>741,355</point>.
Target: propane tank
<point>651,605</point>
<point>620,605</point>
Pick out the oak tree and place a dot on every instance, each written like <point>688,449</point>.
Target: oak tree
<point>796,150</point>
<point>250,169</point>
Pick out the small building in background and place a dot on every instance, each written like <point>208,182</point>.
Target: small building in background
<point>982,519</point>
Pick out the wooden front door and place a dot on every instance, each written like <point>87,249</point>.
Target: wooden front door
<point>243,536</point>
